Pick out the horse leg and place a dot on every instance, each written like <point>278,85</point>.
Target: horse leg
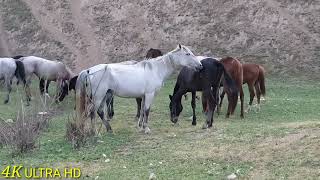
<point>252,94</point>
<point>140,121</point>
<point>58,88</point>
<point>221,100</point>
<point>28,91</point>
<point>210,108</point>
<point>147,105</point>
<point>138,100</point>
<point>47,86</point>
<point>258,91</point>
<point>110,109</point>
<point>100,111</point>
<point>203,102</point>
<point>214,104</point>
<point>8,86</point>
<point>41,86</point>
<point>230,101</point>
<point>242,101</point>
<point>193,105</point>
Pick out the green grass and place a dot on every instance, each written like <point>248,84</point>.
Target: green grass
<point>279,142</point>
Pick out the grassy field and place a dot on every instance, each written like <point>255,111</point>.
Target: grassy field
<point>282,141</point>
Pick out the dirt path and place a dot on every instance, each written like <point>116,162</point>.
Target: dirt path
<point>54,32</point>
<point>4,50</point>
<point>83,27</point>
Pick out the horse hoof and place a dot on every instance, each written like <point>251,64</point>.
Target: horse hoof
<point>110,131</point>
<point>47,95</point>
<point>147,130</point>
<point>194,123</point>
<point>205,126</point>
<point>6,101</point>
<point>242,116</point>
<point>140,130</point>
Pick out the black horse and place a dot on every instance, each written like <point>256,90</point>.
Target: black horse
<point>66,87</point>
<point>153,53</point>
<point>208,81</point>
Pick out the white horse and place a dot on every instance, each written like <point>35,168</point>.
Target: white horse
<point>8,69</point>
<point>141,80</point>
<point>46,71</point>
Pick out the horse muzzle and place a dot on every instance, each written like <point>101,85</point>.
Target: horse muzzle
<point>174,120</point>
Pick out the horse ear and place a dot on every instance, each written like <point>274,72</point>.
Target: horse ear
<point>170,97</point>
<point>179,46</point>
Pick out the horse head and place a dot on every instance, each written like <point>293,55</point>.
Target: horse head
<point>175,107</point>
<point>153,53</point>
<point>182,56</point>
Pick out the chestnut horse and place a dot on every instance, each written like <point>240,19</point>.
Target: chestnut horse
<point>254,76</point>
<point>234,68</point>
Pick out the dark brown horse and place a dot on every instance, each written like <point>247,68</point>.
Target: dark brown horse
<point>254,76</point>
<point>153,53</point>
<point>234,68</point>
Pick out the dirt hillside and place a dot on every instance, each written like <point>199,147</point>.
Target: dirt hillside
<point>283,35</point>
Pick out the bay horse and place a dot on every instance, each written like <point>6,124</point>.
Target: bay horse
<point>153,53</point>
<point>46,71</point>
<point>234,68</point>
<point>141,80</point>
<point>208,81</point>
<point>10,68</point>
<point>254,77</point>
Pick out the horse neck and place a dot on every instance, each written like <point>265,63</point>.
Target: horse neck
<point>164,66</point>
<point>177,96</point>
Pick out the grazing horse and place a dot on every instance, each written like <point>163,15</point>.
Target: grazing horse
<point>9,68</point>
<point>141,80</point>
<point>153,53</point>
<point>234,68</point>
<point>208,81</point>
<point>253,76</point>
<point>46,71</point>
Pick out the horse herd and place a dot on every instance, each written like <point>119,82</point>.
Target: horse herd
<point>96,87</point>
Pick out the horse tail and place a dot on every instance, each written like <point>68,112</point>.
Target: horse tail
<point>81,95</point>
<point>261,80</point>
<point>20,72</point>
<point>72,83</point>
<point>231,88</point>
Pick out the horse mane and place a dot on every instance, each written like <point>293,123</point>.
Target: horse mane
<point>17,57</point>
